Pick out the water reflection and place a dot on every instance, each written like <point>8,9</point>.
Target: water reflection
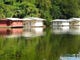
<point>60,29</point>
<point>24,32</point>
<point>14,32</point>
<point>70,57</point>
<point>45,46</point>
<point>3,31</point>
<point>66,30</point>
<point>32,32</point>
<point>74,30</point>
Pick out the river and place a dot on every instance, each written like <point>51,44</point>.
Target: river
<point>58,43</point>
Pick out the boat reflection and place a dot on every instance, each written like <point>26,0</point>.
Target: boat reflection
<point>70,57</point>
<point>18,32</point>
<point>33,32</point>
<point>75,30</point>
<point>4,31</point>
<point>14,32</point>
<point>60,29</point>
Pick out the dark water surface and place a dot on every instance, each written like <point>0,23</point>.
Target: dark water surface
<point>39,44</point>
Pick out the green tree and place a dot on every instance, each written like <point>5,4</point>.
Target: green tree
<point>69,8</point>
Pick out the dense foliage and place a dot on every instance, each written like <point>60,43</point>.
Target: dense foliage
<point>49,9</point>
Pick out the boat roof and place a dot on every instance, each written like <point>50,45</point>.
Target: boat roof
<point>76,19</point>
<point>36,18</point>
<point>14,19</point>
<point>29,18</point>
<point>3,19</point>
<point>60,20</point>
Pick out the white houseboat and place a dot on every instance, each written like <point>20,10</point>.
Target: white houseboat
<point>34,22</point>
<point>60,22</point>
<point>27,22</point>
<point>74,21</point>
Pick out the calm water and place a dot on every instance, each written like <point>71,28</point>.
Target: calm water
<point>57,43</point>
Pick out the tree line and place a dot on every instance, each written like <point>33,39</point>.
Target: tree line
<point>48,9</point>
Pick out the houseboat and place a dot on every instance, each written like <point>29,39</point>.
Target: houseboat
<point>3,23</point>
<point>14,22</point>
<point>27,23</point>
<point>74,21</point>
<point>60,22</point>
<point>34,22</point>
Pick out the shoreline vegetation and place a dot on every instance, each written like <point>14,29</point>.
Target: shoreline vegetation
<point>47,9</point>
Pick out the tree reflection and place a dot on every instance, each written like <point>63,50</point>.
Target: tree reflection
<point>48,47</point>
